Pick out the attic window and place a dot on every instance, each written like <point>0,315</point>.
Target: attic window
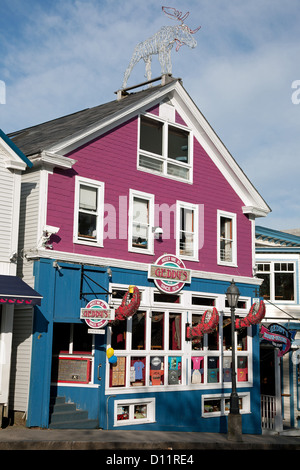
<point>165,149</point>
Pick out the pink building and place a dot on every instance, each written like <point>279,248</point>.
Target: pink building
<point>139,191</point>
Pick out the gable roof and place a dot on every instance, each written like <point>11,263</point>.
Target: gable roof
<point>35,139</point>
<point>61,136</point>
<point>15,150</point>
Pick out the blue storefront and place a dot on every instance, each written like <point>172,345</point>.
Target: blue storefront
<point>160,380</point>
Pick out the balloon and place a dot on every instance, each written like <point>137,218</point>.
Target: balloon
<point>110,352</point>
<point>113,359</point>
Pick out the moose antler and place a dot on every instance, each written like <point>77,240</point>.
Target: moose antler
<point>175,14</point>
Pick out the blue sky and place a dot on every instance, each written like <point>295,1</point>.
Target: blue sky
<point>60,56</point>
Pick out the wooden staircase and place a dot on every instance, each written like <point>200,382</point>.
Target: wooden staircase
<point>65,416</point>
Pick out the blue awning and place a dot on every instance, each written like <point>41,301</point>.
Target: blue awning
<point>15,291</point>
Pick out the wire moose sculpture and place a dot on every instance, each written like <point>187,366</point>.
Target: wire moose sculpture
<point>161,44</point>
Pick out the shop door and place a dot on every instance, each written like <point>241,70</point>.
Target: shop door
<point>267,371</point>
<point>270,389</point>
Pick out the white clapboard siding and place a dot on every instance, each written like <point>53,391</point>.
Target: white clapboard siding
<point>28,226</point>
<point>6,209</point>
<point>20,360</point>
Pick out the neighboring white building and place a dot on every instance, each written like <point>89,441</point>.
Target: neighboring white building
<point>278,264</point>
<point>15,295</point>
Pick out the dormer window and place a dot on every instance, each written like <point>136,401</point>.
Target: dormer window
<point>165,149</point>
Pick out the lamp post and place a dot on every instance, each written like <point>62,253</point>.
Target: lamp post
<point>234,417</point>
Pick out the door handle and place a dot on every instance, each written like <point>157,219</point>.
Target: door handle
<point>98,373</point>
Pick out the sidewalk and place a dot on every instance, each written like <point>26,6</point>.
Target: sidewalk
<point>19,438</point>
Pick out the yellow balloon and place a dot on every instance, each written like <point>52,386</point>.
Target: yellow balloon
<point>110,352</point>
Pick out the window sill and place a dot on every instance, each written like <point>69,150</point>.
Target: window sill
<point>188,258</point>
<point>141,251</point>
<point>164,175</point>
<point>232,264</point>
<point>88,243</point>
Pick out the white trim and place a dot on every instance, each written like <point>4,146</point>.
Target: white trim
<point>149,402</point>
<point>100,211</point>
<point>163,158</point>
<point>43,203</point>
<point>217,151</point>
<point>232,216</point>
<point>193,207</point>
<point>280,259</point>
<point>246,404</point>
<point>150,199</point>
<point>12,160</point>
<point>195,120</point>
<point>185,352</point>
<point>128,264</point>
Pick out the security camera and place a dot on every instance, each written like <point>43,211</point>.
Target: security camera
<point>157,230</point>
<point>51,229</point>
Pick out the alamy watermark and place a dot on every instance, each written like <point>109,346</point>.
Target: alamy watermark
<point>296,93</point>
<point>2,92</point>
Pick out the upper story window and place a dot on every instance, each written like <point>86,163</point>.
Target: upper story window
<point>187,221</point>
<point>141,221</point>
<point>279,281</point>
<point>227,239</point>
<point>165,149</point>
<point>88,211</point>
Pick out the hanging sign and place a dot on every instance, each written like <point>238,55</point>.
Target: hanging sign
<point>279,337</point>
<point>97,313</point>
<point>169,274</point>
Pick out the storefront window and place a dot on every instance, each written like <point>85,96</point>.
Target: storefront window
<point>157,330</point>
<point>152,350</point>
<point>212,406</point>
<point>118,335</point>
<point>138,340</point>
<point>197,368</point>
<point>197,344</point>
<point>134,411</point>
<point>156,370</point>
<point>242,343</point>
<point>123,413</point>
<point>213,340</point>
<point>174,370</point>
<point>242,368</point>
<point>137,371</point>
<point>175,331</point>
<point>217,406</point>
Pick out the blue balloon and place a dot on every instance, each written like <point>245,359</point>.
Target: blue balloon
<point>112,359</point>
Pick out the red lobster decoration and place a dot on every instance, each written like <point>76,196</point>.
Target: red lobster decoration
<point>128,308</point>
<point>209,322</point>
<point>255,315</point>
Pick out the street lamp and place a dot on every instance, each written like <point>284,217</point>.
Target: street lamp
<point>234,417</point>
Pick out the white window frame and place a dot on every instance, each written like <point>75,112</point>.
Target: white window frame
<point>245,409</point>
<point>131,403</point>
<point>164,157</point>
<point>272,273</point>
<point>150,198</point>
<point>79,180</point>
<point>193,207</point>
<point>232,216</point>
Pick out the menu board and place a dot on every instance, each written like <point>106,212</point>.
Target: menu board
<point>74,370</point>
<point>118,373</point>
